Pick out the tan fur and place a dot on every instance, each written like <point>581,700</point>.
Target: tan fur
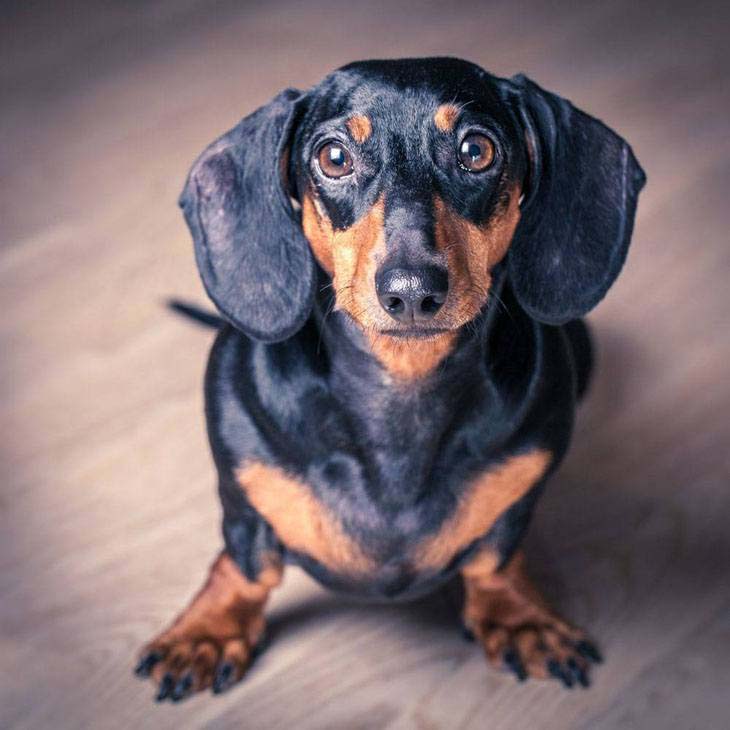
<point>504,610</point>
<point>350,256</point>
<point>318,231</point>
<point>224,620</point>
<point>357,253</point>
<point>360,127</point>
<point>445,117</point>
<point>411,359</point>
<point>483,502</point>
<point>472,251</point>
<point>299,520</point>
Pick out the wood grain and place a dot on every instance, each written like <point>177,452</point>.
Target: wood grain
<point>108,514</point>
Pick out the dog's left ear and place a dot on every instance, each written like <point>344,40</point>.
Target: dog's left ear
<point>578,211</point>
<point>254,260</point>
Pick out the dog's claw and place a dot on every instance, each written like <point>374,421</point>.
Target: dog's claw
<point>578,672</point>
<point>222,678</point>
<point>144,667</point>
<point>166,686</point>
<point>589,651</point>
<point>513,663</point>
<point>556,669</point>
<point>182,688</point>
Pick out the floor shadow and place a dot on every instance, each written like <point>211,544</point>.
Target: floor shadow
<point>614,513</point>
<point>440,609</point>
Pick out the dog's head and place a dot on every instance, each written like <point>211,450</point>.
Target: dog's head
<point>408,182</point>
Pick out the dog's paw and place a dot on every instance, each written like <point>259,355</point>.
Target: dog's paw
<point>181,666</point>
<point>213,641</point>
<point>541,651</point>
<point>518,629</point>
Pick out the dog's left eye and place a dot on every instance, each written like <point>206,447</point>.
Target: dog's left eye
<point>334,159</point>
<point>476,152</point>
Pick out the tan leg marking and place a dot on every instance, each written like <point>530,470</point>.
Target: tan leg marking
<point>517,628</point>
<point>300,521</point>
<point>222,625</point>
<point>483,502</point>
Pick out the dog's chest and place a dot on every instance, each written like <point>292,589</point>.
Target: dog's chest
<point>391,507</point>
<point>370,485</point>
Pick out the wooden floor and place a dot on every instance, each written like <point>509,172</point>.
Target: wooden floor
<point>108,517</point>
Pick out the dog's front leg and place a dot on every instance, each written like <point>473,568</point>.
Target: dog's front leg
<point>211,642</point>
<point>518,630</point>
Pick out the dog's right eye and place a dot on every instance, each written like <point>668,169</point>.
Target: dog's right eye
<point>334,160</point>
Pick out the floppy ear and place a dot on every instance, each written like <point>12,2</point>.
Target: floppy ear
<point>578,211</point>
<point>252,255</point>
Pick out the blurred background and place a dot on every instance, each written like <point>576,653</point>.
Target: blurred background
<point>108,513</point>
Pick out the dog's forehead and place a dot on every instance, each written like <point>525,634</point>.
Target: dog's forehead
<point>405,88</point>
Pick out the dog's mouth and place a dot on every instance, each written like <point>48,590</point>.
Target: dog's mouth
<point>417,333</point>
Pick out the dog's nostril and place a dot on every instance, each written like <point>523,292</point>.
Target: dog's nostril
<point>394,305</point>
<point>431,305</point>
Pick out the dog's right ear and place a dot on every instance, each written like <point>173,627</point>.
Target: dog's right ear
<point>254,260</point>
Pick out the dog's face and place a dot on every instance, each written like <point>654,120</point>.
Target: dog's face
<point>409,184</point>
<point>415,179</point>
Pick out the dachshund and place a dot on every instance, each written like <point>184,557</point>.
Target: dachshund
<point>402,255</point>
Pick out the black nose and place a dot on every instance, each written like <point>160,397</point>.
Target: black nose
<point>412,294</point>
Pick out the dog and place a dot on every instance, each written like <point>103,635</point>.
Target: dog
<point>402,255</point>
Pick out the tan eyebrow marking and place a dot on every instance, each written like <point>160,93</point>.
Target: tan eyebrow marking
<point>446,116</point>
<point>360,127</point>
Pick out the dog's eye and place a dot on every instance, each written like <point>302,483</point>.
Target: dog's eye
<point>334,160</point>
<point>476,152</point>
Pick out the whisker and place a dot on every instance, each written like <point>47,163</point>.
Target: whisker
<point>495,296</point>
<point>327,313</point>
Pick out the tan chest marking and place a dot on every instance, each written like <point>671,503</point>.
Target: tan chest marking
<point>299,519</point>
<point>483,502</point>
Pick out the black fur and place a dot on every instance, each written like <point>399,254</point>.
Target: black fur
<point>253,258</point>
<point>579,210</point>
<point>196,314</point>
<point>293,384</point>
